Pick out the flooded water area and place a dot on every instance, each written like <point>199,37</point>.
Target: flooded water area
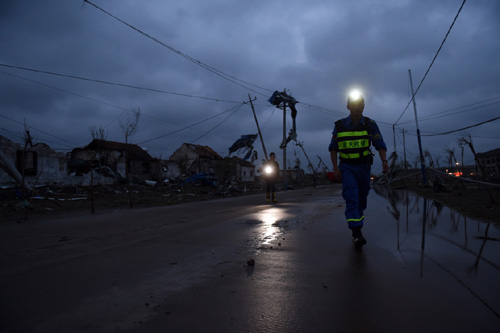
<point>437,243</point>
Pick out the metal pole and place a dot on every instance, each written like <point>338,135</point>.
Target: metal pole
<point>394,136</point>
<point>258,128</point>
<point>284,147</point>
<point>404,149</point>
<point>301,145</point>
<point>422,164</point>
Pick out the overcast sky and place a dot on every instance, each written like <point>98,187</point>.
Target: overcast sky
<point>203,58</point>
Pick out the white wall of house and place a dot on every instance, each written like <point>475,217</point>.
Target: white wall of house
<point>170,169</point>
<point>245,173</point>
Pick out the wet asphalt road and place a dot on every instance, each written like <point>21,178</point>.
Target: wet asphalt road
<point>185,268</point>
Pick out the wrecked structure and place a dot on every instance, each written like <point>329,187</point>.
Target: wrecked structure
<point>113,159</point>
<point>490,162</point>
<point>36,164</point>
<point>108,160</point>
<point>193,159</point>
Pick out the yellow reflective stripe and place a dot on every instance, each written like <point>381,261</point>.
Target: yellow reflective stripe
<point>353,155</point>
<point>357,133</point>
<point>349,144</point>
<point>355,220</point>
<point>347,156</point>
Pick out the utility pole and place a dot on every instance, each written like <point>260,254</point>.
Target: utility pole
<point>301,145</point>
<point>422,164</point>
<point>258,128</point>
<point>394,137</point>
<point>321,162</point>
<point>284,147</point>
<point>404,149</point>
<point>282,98</point>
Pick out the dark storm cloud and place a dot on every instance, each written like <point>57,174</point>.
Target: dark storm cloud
<point>316,49</point>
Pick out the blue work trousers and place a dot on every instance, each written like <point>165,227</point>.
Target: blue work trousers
<point>355,188</point>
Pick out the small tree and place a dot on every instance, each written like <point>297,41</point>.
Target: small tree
<point>129,128</point>
<point>428,156</point>
<point>462,144</point>
<point>466,139</point>
<point>98,133</point>
<point>27,142</point>
<point>451,157</point>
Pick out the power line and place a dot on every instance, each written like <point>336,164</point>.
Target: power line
<point>464,128</point>
<point>230,115</point>
<point>114,83</point>
<point>432,62</point>
<point>18,122</point>
<point>193,60</point>
<point>72,93</point>
<point>192,125</point>
<point>92,99</point>
<point>63,90</point>
<point>448,112</point>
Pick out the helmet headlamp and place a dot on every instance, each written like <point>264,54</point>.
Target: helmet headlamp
<point>355,97</point>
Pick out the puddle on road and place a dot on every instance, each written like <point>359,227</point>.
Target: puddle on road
<point>431,238</point>
<point>271,224</point>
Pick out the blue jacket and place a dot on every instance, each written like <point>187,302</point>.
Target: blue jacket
<point>376,139</point>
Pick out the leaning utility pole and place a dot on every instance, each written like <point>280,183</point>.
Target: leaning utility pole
<point>422,163</point>
<point>301,145</point>
<point>404,150</point>
<point>284,147</point>
<point>258,127</point>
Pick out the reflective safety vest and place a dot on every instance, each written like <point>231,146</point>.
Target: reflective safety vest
<point>354,144</point>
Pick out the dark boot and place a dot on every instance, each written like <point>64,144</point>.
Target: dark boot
<point>357,238</point>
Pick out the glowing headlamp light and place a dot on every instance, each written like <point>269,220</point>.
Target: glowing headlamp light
<point>354,97</point>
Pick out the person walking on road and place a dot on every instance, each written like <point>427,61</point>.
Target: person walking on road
<point>351,140</point>
<point>271,170</point>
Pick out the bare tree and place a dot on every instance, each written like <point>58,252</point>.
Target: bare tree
<point>466,139</point>
<point>428,156</point>
<point>436,160</point>
<point>462,144</point>
<point>98,133</point>
<point>129,128</point>
<point>451,157</point>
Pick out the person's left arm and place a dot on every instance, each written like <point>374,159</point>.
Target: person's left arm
<point>379,144</point>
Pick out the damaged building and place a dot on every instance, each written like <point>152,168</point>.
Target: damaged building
<point>194,159</point>
<point>115,159</point>
<point>37,163</point>
<point>41,165</point>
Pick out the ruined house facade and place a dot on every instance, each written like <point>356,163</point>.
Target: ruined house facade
<point>109,160</point>
<point>490,161</point>
<point>38,163</point>
<point>116,157</point>
<point>193,159</point>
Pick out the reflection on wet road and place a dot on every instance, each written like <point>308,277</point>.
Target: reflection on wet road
<point>272,223</point>
<point>425,268</point>
<point>433,239</point>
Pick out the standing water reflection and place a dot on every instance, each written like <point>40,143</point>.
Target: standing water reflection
<point>434,239</point>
